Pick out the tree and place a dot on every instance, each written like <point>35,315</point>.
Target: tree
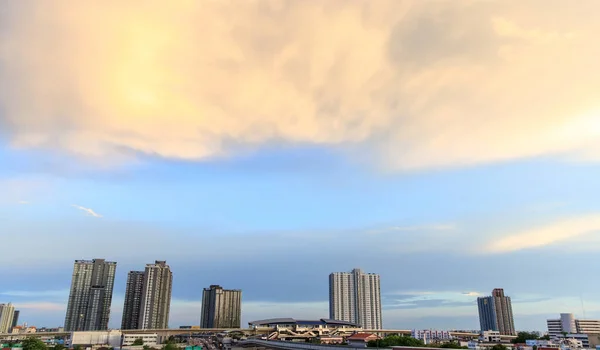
<point>170,346</point>
<point>32,343</point>
<point>545,337</point>
<point>138,341</point>
<point>498,347</point>
<point>522,337</point>
<point>77,347</point>
<point>395,340</point>
<point>59,347</point>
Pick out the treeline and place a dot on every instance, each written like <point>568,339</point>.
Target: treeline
<point>404,340</point>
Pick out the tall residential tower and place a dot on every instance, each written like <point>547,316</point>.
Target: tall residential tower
<point>495,313</point>
<point>156,296</point>
<point>90,296</point>
<point>221,308</point>
<point>148,297</point>
<point>7,312</point>
<point>355,297</point>
<point>133,300</point>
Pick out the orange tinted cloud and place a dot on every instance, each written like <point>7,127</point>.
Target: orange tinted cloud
<point>419,84</point>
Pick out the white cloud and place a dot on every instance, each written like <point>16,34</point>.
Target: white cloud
<point>41,306</point>
<point>471,294</point>
<point>419,84</point>
<point>88,211</point>
<point>554,232</point>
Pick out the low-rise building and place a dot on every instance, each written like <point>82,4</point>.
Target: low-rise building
<point>360,340</point>
<point>147,339</point>
<point>490,337</point>
<point>91,338</point>
<point>430,336</point>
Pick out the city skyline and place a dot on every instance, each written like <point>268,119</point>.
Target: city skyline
<point>451,147</point>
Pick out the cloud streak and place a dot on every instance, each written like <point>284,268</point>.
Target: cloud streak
<point>89,211</point>
<point>132,77</point>
<point>548,234</point>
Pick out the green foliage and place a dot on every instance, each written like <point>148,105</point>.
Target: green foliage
<point>138,341</point>
<point>546,337</point>
<point>77,347</point>
<point>498,347</point>
<point>59,347</point>
<point>170,346</point>
<point>32,343</point>
<point>395,340</point>
<point>524,336</point>
<point>146,347</point>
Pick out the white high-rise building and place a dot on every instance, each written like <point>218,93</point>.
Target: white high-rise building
<point>355,297</point>
<point>156,296</point>
<point>7,312</point>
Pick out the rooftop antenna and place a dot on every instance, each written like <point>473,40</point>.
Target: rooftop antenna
<point>582,308</point>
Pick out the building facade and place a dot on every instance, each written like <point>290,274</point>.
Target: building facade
<point>569,325</point>
<point>355,297</point>
<point>7,312</point>
<point>156,296</point>
<point>15,321</point>
<point>221,308</point>
<point>495,313</point>
<point>133,300</point>
<point>90,296</point>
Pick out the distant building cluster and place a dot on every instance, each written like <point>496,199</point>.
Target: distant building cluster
<point>147,299</point>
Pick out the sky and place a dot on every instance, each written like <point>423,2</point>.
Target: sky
<point>452,147</point>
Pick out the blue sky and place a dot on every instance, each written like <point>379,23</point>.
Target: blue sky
<point>266,159</point>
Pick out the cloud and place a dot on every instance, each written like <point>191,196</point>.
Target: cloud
<point>88,211</point>
<point>41,306</point>
<point>416,228</point>
<point>414,84</point>
<point>42,293</point>
<point>471,294</point>
<point>558,231</point>
<point>23,202</point>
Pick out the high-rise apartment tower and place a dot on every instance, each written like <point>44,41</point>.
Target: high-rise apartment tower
<point>133,300</point>
<point>91,295</point>
<point>355,297</point>
<point>495,313</point>
<point>221,308</point>
<point>16,318</point>
<point>7,312</point>
<point>156,296</point>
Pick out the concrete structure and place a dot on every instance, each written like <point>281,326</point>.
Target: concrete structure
<point>15,321</point>
<point>588,326</point>
<point>289,328</point>
<point>7,312</point>
<point>429,336</point>
<point>490,337</point>
<point>91,295</point>
<point>133,300</point>
<point>360,340</point>
<point>221,308</point>
<point>495,313</point>
<point>156,296</point>
<point>148,339</point>
<point>355,297</point>
<point>568,324</point>
<point>108,338</point>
